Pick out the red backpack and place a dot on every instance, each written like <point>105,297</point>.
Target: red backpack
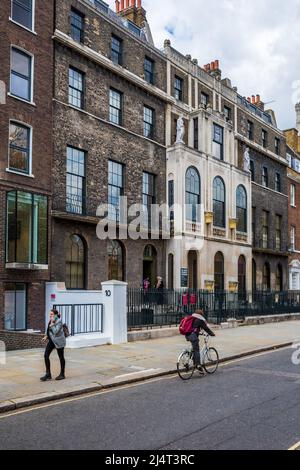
<point>186,325</point>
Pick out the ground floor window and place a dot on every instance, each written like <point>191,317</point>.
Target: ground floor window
<point>219,272</point>
<point>15,306</point>
<point>266,277</point>
<point>116,268</point>
<point>75,263</point>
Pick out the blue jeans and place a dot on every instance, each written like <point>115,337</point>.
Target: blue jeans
<point>194,340</point>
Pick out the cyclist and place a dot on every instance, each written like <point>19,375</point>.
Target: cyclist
<point>199,323</point>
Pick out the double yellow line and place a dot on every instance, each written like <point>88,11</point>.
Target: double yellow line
<point>296,446</point>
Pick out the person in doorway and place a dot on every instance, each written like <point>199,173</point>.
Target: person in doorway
<point>159,283</point>
<point>56,340</point>
<point>146,283</point>
<point>159,286</point>
<point>199,324</point>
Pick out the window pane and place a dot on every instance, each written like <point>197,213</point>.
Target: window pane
<point>40,230</point>
<point>19,148</point>
<point>26,228</point>
<point>20,87</point>
<point>15,306</point>
<point>75,263</point>
<point>11,235</point>
<point>24,224</point>
<point>22,12</point>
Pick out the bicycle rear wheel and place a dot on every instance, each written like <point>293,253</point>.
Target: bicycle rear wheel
<point>211,361</point>
<point>185,365</point>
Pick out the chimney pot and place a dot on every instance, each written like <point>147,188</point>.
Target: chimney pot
<point>217,64</point>
<point>258,99</point>
<point>122,5</point>
<point>249,99</point>
<point>212,66</point>
<point>139,3</point>
<point>253,99</point>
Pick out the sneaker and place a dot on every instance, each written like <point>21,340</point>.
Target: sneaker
<point>60,377</point>
<point>200,370</point>
<point>45,378</point>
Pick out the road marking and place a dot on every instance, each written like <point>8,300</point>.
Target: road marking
<point>124,387</point>
<point>296,446</point>
<point>135,373</point>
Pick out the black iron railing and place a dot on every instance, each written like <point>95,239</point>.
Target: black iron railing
<point>159,308</point>
<point>84,318</point>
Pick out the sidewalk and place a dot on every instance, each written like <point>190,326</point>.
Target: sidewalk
<point>93,368</point>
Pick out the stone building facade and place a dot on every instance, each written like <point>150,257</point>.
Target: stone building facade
<point>293,177</point>
<point>211,249</point>
<point>26,58</point>
<point>109,115</point>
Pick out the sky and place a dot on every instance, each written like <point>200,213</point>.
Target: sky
<point>257,43</point>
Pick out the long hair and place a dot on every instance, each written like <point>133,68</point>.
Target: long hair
<point>56,313</point>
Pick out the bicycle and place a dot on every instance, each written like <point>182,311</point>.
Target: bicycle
<point>209,358</point>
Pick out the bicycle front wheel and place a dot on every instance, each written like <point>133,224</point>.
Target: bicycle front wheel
<point>185,366</point>
<point>211,361</point>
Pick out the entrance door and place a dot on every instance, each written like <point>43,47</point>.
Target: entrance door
<point>193,268</point>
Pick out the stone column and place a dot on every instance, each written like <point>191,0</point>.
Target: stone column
<point>115,310</point>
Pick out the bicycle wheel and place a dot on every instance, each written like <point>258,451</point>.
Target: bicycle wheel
<point>211,361</point>
<point>185,366</point>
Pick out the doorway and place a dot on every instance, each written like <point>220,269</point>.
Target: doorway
<point>150,264</point>
<point>193,269</point>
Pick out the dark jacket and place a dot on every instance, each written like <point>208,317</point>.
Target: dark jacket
<point>202,325</point>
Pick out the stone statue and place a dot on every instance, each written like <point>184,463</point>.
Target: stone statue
<point>180,130</point>
<point>247,159</point>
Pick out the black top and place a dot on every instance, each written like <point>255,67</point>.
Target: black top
<point>202,325</point>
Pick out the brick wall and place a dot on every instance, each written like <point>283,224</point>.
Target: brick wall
<point>18,340</point>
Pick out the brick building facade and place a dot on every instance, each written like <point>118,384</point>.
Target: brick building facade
<point>117,128</point>
<point>26,57</point>
<point>257,131</point>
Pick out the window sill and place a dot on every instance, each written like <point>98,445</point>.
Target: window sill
<point>22,26</point>
<point>14,172</point>
<point>31,103</point>
<point>27,266</point>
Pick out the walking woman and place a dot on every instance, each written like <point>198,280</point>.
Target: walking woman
<point>56,340</point>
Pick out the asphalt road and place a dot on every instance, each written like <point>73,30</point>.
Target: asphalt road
<point>248,404</point>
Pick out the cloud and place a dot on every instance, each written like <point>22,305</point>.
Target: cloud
<point>256,42</point>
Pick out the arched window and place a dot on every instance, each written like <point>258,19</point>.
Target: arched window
<point>75,263</point>
<point>242,274</point>
<point>266,277</point>
<point>279,278</point>
<point>192,195</point>
<point>115,253</point>
<point>219,202</point>
<point>241,209</point>
<point>219,272</point>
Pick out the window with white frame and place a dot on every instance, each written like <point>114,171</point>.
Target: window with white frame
<point>21,74</point>
<point>19,147</point>
<point>293,238</point>
<point>293,195</point>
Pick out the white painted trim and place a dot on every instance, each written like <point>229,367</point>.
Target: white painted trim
<point>19,173</point>
<point>21,49</point>
<point>21,26</point>
<point>32,18</point>
<point>30,148</point>
<point>31,103</point>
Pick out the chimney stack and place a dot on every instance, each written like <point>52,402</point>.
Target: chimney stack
<point>132,10</point>
<point>214,69</point>
<point>297,107</point>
